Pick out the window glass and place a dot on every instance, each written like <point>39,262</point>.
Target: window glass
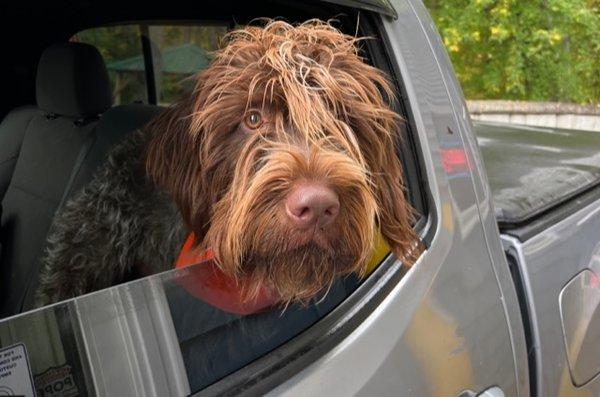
<point>121,48</point>
<point>179,52</point>
<point>151,333</point>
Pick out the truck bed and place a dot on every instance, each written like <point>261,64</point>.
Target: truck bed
<point>545,185</point>
<point>533,171</point>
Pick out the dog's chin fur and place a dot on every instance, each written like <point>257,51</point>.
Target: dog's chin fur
<point>298,274</point>
<point>200,168</point>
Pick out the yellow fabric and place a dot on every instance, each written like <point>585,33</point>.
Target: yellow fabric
<point>382,249</point>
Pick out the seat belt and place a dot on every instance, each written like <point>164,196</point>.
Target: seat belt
<point>81,156</point>
<point>89,140</point>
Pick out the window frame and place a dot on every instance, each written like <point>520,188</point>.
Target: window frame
<point>149,72</point>
<point>270,370</point>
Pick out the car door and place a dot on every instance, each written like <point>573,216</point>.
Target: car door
<point>448,326</point>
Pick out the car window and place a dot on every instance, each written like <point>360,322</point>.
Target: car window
<point>151,332</point>
<point>179,52</point>
<point>153,335</point>
<point>161,74</point>
<point>121,48</point>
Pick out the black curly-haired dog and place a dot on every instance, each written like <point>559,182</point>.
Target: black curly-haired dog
<point>282,161</point>
<point>119,224</point>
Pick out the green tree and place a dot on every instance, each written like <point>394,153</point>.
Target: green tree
<point>545,50</point>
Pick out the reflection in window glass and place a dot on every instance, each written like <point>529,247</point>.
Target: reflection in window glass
<point>179,52</point>
<point>121,49</point>
<point>46,342</point>
<point>151,333</point>
<point>221,342</point>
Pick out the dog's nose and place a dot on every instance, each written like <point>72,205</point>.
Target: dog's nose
<point>312,204</point>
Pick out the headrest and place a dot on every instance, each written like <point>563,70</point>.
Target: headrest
<point>72,81</point>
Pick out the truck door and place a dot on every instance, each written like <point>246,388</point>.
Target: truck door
<point>448,326</point>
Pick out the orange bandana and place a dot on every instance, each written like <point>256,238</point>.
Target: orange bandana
<point>208,283</point>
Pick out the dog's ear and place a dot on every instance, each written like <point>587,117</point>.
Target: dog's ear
<point>379,139</point>
<point>174,164</point>
<point>377,127</point>
<point>396,215</point>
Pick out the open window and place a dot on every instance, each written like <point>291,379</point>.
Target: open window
<point>150,335</point>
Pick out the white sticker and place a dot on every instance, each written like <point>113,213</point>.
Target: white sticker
<point>15,374</point>
<point>56,381</point>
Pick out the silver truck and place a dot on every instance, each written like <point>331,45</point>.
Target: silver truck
<point>504,300</point>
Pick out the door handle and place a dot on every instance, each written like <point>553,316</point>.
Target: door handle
<point>491,392</point>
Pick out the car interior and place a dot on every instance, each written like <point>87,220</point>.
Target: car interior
<point>59,120</point>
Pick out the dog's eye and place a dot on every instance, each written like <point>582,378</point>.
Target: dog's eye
<point>253,120</point>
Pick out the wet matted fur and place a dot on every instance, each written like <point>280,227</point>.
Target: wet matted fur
<point>278,105</point>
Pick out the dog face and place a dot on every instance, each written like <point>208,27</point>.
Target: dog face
<point>283,159</point>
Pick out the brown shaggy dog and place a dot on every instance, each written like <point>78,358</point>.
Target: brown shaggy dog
<point>283,161</point>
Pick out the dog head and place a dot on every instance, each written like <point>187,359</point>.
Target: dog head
<point>283,159</point>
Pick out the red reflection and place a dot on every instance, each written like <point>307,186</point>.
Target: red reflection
<point>595,281</point>
<point>207,282</point>
<point>455,160</point>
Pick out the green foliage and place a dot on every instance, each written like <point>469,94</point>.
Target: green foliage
<point>544,50</point>
<point>118,43</point>
<point>173,86</point>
